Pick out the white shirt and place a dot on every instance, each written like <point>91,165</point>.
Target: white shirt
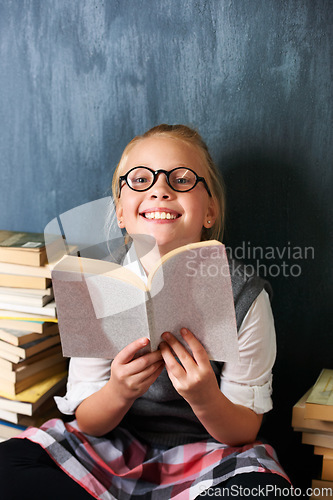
<point>247,382</point>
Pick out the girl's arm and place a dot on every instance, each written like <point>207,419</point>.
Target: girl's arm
<point>130,378</point>
<point>194,379</point>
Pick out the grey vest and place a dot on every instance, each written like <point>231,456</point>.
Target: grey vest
<point>161,417</point>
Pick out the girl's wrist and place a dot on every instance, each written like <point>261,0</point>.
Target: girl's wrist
<point>115,395</point>
<point>201,404</point>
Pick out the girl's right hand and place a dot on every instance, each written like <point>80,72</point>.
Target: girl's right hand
<point>131,377</point>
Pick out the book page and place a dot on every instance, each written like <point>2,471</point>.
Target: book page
<point>85,334</point>
<point>197,294</point>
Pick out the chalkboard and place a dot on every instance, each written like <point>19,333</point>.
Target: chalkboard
<point>79,79</point>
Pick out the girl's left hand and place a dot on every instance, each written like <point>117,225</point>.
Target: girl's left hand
<point>194,378</point>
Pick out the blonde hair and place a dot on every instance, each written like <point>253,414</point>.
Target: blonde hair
<point>213,177</point>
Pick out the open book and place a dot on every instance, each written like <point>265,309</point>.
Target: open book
<point>103,306</point>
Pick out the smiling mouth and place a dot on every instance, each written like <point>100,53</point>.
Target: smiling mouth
<point>160,215</point>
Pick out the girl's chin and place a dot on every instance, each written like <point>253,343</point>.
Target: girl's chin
<point>165,243</point>
<point>167,239</point>
<point>160,239</point>
<point>165,246</point>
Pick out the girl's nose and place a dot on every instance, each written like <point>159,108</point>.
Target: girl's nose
<point>161,188</point>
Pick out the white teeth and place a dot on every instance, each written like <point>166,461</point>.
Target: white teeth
<point>160,215</point>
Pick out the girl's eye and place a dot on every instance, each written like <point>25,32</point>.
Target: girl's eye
<point>139,180</point>
<point>140,177</point>
<point>182,180</point>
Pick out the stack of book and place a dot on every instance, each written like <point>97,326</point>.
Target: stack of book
<point>313,416</point>
<point>32,368</point>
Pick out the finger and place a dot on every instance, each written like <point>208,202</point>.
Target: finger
<point>172,365</point>
<point>144,361</point>
<point>152,369</point>
<point>127,354</point>
<point>180,351</point>
<point>138,379</point>
<point>198,351</point>
<point>150,378</point>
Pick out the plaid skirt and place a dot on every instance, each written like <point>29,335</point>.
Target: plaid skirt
<point>120,467</point>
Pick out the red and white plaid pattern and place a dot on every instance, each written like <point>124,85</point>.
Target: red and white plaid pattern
<point>119,466</point>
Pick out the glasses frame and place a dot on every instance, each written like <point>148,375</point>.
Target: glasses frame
<point>167,175</point>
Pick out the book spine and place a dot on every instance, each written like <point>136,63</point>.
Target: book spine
<point>152,334</point>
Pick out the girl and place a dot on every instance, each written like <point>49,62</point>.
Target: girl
<point>155,426</point>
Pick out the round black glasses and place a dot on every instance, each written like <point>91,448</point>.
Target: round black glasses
<point>179,179</point>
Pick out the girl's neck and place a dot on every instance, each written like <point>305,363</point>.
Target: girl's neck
<point>149,259</point>
<point>146,251</point>
<point>149,255</point>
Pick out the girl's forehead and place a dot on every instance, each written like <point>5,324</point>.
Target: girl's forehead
<point>168,152</point>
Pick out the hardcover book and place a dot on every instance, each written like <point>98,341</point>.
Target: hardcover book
<point>22,248</point>
<point>103,306</point>
<point>29,400</point>
<point>319,404</point>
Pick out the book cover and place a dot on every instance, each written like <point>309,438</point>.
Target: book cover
<point>16,387</point>
<point>22,248</point>
<point>30,348</point>
<point>27,370</point>
<point>25,270</point>
<point>319,404</point>
<point>9,430</point>
<point>23,240</point>
<point>318,439</point>
<point>25,316</point>
<point>17,281</point>
<point>21,337</point>
<point>30,292</point>
<point>327,469</point>
<point>29,249</point>
<point>102,306</point>
<point>24,300</point>
<point>48,310</point>
<point>13,366</point>
<point>27,324</point>
<point>325,452</point>
<point>9,356</point>
<point>320,484</point>
<point>47,411</point>
<point>29,400</point>
<point>300,423</point>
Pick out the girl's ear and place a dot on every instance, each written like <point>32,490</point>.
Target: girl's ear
<point>211,214</point>
<point>119,213</point>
